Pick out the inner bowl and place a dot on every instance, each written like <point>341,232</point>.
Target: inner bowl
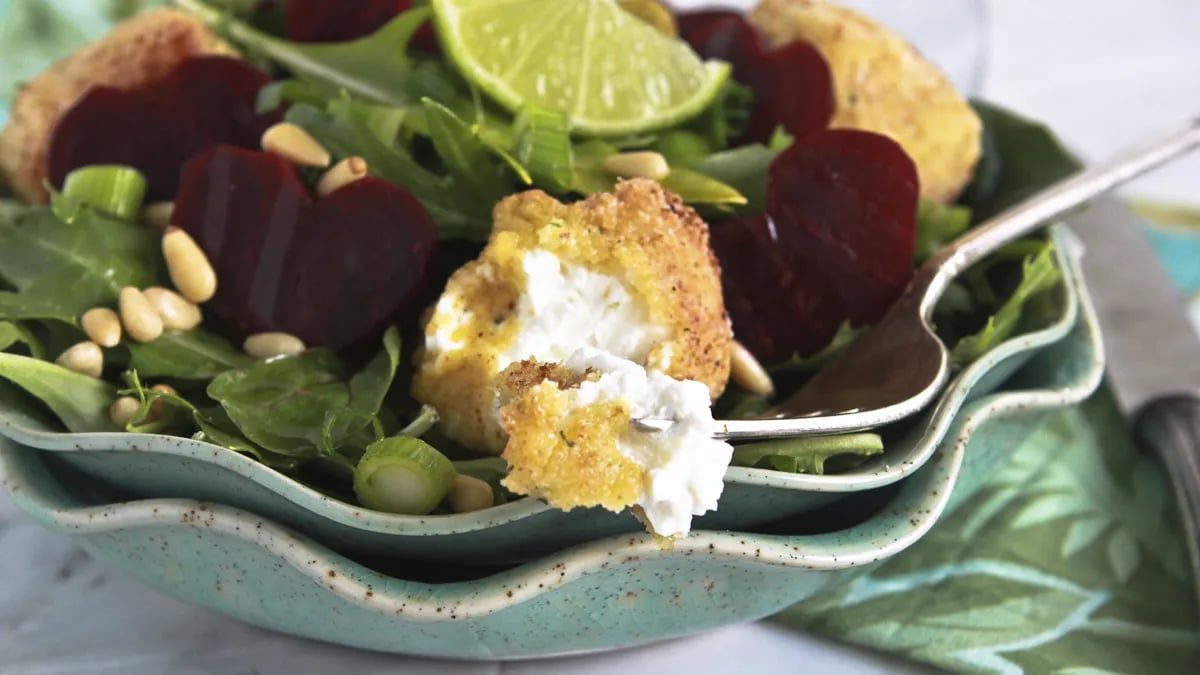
<point>138,466</point>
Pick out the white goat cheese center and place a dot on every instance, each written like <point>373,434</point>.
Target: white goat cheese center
<point>566,307</point>
<point>685,466</point>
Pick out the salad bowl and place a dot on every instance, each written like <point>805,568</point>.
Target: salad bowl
<point>615,591</point>
<point>154,466</point>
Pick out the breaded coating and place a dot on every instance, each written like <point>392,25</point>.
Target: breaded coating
<point>883,84</point>
<point>565,454</point>
<point>639,238</point>
<point>140,50</point>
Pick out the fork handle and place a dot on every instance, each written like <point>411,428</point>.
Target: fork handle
<point>1170,427</point>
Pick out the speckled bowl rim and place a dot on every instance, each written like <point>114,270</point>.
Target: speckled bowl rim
<point>874,474</point>
<point>912,513</point>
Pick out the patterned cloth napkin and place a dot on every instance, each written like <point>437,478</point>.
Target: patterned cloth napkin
<point>1069,560</point>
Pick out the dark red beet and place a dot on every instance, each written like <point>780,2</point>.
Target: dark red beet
<point>204,101</point>
<point>792,85</point>
<point>838,243</point>
<point>328,21</point>
<point>334,271</point>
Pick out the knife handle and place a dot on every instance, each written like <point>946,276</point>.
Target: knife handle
<point>1170,426</point>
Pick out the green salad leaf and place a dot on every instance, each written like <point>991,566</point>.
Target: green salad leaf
<point>1040,274</point>
<point>79,401</point>
<point>845,336</point>
<point>938,225</point>
<point>12,333</point>
<point>374,67</point>
<point>281,404</point>
<point>187,355</point>
<point>808,454</point>
<point>457,211</point>
<point>216,427</point>
<point>61,269</point>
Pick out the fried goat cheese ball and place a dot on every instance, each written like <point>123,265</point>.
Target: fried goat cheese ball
<point>572,444</point>
<point>630,273</point>
<point>883,84</point>
<point>139,50</point>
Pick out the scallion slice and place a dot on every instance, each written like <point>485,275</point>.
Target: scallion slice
<point>115,189</point>
<point>402,474</point>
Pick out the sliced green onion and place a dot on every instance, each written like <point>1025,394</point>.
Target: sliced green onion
<point>696,188</point>
<point>544,147</point>
<point>112,188</point>
<point>402,474</point>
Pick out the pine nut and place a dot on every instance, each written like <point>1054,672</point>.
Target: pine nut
<point>637,165</point>
<point>469,494</point>
<point>102,326</point>
<point>295,145</point>
<point>174,309</point>
<point>84,358</point>
<point>156,408</point>
<point>341,174</point>
<point>141,322</point>
<point>158,214</point>
<point>267,345</point>
<point>188,267</point>
<point>747,373</point>
<point>123,410</point>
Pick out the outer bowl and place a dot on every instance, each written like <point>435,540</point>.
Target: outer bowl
<point>617,591</point>
<point>144,465</point>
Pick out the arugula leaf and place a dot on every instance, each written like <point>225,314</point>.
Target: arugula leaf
<point>728,116</point>
<point>736,404</point>
<point>14,333</point>
<point>456,210</point>
<point>368,388</point>
<point>216,428</point>
<point>61,269</point>
<point>190,355</point>
<point>281,404</point>
<point>80,402</point>
<point>807,454</point>
<point>1020,156</point>
<point>374,67</point>
<point>845,336</point>
<point>466,156</point>
<point>938,225</point>
<point>1040,274</point>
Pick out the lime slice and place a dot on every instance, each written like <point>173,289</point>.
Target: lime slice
<point>608,71</point>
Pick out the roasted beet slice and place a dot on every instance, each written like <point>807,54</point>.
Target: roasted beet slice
<point>793,88</point>
<point>204,101</point>
<point>333,271</point>
<point>776,306</point>
<point>837,245</point>
<point>326,21</point>
<point>792,84</point>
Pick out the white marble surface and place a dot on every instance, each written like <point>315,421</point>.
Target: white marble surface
<point>1105,73</point>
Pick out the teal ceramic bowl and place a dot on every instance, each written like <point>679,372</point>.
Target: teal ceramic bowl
<point>616,591</point>
<point>142,465</point>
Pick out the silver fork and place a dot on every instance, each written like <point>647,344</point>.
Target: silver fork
<point>900,365</point>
